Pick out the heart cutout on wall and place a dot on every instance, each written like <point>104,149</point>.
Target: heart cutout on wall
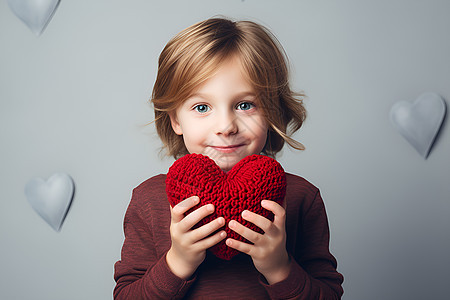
<point>51,199</point>
<point>36,14</point>
<point>419,122</point>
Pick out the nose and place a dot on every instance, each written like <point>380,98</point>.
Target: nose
<point>226,124</point>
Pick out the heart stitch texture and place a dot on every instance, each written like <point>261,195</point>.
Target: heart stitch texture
<point>254,178</point>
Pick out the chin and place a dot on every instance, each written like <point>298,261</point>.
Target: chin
<point>227,165</point>
<point>226,161</point>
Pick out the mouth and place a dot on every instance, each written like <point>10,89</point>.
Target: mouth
<point>228,148</point>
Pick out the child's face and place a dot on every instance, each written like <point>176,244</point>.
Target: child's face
<point>223,119</point>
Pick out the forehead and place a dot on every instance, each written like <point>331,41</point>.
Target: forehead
<point>227,76</point>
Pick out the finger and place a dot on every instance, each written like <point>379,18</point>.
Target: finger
<point>278,211</point>
<point>207,229</point>
<point>196,216</point>
<point>181,208</point>
<point>256,219</point>
<point>245,232</point>
<point>240,246</point>
<point>211,241</point>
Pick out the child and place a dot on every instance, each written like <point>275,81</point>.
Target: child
<point>222,91</point>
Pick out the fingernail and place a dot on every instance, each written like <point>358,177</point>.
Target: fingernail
<point>223,234</point>
<point>232,224</point>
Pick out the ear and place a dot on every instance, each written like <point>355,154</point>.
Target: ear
<point>175,124</point>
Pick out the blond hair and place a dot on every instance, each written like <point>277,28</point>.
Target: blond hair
<point>193,55</point>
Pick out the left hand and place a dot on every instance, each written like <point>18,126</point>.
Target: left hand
<point>268,251</point>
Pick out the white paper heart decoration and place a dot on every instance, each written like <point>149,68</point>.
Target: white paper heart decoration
<point>51,199</point>
<point>419,122</point>
<point>36,14</point>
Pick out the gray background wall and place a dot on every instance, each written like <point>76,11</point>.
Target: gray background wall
<point>75,100</point>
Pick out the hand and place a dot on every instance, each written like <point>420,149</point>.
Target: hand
<point>268,251</point>
<point>189,245</point>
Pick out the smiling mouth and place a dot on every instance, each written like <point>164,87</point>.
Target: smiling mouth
<point>228,149</point>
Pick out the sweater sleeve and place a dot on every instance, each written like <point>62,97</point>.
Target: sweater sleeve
<point>313,273</point>
<point>142,273</point>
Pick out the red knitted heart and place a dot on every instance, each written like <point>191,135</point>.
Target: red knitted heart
<point>254,178</point>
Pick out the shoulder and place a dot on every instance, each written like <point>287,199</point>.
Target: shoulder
<point>299,184</point>
<point>300,193</point>
<point>155,184</point>
<point>150,193</point>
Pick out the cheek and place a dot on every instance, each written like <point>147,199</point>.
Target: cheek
<point>263,138</point>
<point>258,132</point>
<point>264,128</point>
<point>193,135</point>
<point>259,128</point>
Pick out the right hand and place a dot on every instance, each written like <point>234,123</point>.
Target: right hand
<point>189,245</point>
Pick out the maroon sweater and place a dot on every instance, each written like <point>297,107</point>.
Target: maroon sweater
<point>143,273</point>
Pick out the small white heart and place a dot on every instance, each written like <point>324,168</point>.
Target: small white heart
<point>51,199</point>
<point>419,122</point>
<point>36,14</point>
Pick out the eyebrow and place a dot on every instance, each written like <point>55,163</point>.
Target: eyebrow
<point>208,97</point>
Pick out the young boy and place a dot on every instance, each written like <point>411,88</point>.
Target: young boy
<point>222,90</point>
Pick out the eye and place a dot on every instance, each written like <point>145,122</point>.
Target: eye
<point>245,105</point>
<point>201,108</point>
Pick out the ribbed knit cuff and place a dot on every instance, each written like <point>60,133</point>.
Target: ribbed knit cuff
<point>291,287</point>
<point>169,285</point>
